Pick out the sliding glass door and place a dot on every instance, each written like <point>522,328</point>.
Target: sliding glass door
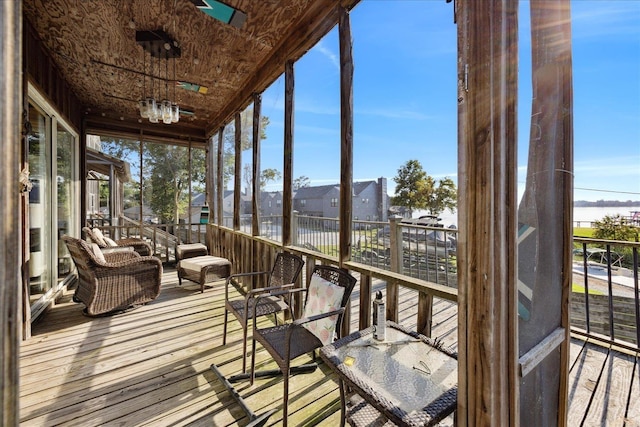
<point>53,200</point>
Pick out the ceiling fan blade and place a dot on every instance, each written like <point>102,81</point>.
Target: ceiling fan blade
<point>221,12</point>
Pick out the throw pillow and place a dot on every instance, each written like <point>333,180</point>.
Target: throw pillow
<point>323,297</point>
<point>99,237</point>
<point>98,252</point>
<point>110,242</point>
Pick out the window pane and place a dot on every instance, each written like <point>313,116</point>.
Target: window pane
<point>66,197</point>
<point>316,165</point>
<point>166,182</point>
<point>271,160</point>
<point>39,204</point>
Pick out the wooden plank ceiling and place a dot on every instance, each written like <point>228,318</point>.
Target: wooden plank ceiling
<point>93,43</point>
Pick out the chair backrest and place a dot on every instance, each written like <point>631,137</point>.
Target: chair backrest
<point>286,269</point>
<point>83,257</point>
<point>93,237</point>
<point>338,277</point>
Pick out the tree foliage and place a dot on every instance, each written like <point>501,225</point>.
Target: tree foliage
<point>246,136</point>
<point>416,190</point>
<point>614,227</point>
<point>165,174</point>
<point>617,227</point>
<point>268,175</point>
<point>301,182</point>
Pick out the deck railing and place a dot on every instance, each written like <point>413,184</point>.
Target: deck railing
<point>163,238</point>
<point>605,302</point>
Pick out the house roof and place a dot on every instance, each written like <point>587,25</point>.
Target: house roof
<point>102,163</point>
<point>319,191</point>
<point>315,192</point>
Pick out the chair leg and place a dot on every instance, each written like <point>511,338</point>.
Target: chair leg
<point>224,328</point>
<point>253,361</point>
<point>244,345</point>
<point>343,403</point>
<point>285,404</point>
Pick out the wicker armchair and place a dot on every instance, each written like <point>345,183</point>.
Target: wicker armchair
<point>113,282</point>
<point>283,274</point>
<point>138,245</point>
<point>286,342</point>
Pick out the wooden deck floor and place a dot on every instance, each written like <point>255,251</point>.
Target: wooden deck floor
<point>150,366</point>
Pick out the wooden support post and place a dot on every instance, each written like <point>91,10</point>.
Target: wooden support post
<point>346,143</point>
<point>545,212</point>
<point>255,173</point>
<point>255,193</point>
<point>189,214</point>
<point>395,243</point>
<point>140,159</point>
<point>211,181</point>
<point>237,181</point>
<point>487,141</point>
<point>219,191</point>
<point>10,244</point>
<point>346,134</point>
<point>365,302</point>
<point>425,314</point>
<point>287,176</point>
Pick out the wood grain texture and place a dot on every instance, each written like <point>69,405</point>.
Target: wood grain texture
<point>11,93</point>
<point>92,46</point>
<point>151,366</point>
<point>487,212</point>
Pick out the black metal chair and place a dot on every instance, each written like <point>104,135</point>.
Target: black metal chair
<point>283,275</point>
<point>291,340</point>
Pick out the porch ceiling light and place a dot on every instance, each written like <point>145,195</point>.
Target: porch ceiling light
<point>159,46</point>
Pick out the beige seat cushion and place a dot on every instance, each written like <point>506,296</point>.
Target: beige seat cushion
<point>199,262</point>
<point>189,247</point>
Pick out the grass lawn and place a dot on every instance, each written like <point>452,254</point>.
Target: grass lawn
<point>580,290</point>
<point>583,232</point>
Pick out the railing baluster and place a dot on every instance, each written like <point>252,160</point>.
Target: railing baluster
<point>585,268</point>
<point>610,285</point>
<point>636,293</point>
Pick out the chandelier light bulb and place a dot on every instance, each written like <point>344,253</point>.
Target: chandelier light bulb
<point>175,113</point>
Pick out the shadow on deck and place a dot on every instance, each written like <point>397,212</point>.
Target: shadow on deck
<point>150,366</point>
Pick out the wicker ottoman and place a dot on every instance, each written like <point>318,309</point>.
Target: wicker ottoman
<point>190,250</point>
<point>203,269</point>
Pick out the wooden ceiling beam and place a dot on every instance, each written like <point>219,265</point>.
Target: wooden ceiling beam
<point>175,134</point>
<point>315,24</point>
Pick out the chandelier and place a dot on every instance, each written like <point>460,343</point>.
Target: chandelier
<point>161,48</point>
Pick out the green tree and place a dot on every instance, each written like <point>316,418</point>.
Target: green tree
<point>301,182</point>
<point>165,173</point>
<point>614,227</point>
<point>229,141</point>
<point>416,190</point>
<point>268,175</point>
<point>166,181</point>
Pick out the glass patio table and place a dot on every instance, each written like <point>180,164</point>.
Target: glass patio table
<point>409,379</point>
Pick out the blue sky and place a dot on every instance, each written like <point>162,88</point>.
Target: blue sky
<point>405,97</point>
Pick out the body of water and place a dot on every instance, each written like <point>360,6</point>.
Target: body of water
<point>583,215</point>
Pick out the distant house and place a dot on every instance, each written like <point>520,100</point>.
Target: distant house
<point>199,200</point>
<point>320,201</point>
<point>271,203</point>
<point>370,201</point>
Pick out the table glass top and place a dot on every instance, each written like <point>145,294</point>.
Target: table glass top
<point>406,371</point>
